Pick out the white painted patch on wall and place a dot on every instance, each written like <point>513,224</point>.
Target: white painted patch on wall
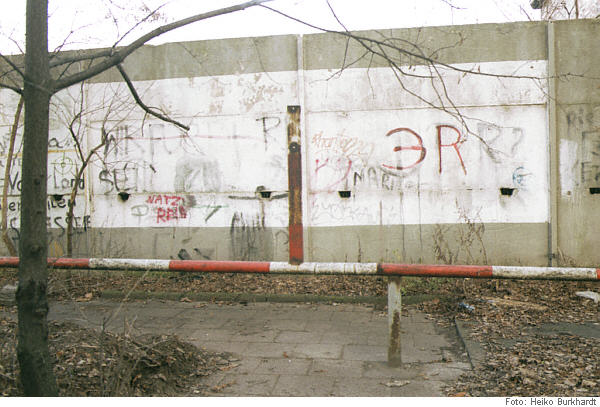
<point>426,167</point>
<point>399,160</point>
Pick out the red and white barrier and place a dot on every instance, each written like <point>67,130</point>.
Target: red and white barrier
<point>381,269</point>
<point>386,269</point>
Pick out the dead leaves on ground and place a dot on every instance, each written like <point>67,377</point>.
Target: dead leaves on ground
<point>521,361</point>
<point>90,363</point>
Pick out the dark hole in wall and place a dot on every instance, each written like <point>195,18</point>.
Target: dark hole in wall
<point>345,194</point>
<point>595,190</point>
<point>507,191</point>
<point>265,194</point>
<point>123,196</point>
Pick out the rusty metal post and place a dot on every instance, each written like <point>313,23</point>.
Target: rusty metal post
<point>394,314</point>
<point>296,239</point>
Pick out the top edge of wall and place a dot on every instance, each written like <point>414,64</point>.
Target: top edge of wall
<point>234,56</point>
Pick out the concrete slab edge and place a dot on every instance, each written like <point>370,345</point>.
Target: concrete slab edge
<point>475,351</point>
<point>252,297</point>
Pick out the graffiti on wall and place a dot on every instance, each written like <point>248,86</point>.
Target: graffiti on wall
<point>402,164</point>
<point>378,173</point>
<point>348,162</point>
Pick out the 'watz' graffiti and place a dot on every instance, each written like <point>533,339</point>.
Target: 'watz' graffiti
<point>167,207</point>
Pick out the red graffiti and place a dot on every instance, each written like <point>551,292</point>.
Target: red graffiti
<point>168,207</point>
<point>415,147</point>
<point>170,213</point>
<point>454,145</point>
<point>342,163</point>
<point>172,200</point>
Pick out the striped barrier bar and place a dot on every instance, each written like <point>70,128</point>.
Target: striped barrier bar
<point>385,269</point>
<point>393,271</point>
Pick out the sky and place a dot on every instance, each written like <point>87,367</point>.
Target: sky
<point>75,26</point>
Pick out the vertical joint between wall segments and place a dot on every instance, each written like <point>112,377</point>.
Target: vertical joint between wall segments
<point>553,141</point>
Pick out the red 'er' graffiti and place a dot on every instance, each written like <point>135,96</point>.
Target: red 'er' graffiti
<point>418,146</point>
<point>453,145</point>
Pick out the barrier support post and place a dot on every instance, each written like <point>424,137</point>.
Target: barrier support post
<point>394,315</point>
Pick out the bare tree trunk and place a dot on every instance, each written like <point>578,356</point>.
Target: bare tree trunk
<point>35,362</point>
<point>13,135</point>
<point>32,348</point>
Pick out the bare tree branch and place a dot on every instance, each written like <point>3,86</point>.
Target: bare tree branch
<point>58,60</point>
<point>152,13</point>
<point>118,55</point>
<point>12,65</point>
<point>13,88</point>
<point>452,5</point>
<point>77,118</point>
<point>147,109</point>
<point>386,44</point>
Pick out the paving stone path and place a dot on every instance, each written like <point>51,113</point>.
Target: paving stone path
<point>294,349</point>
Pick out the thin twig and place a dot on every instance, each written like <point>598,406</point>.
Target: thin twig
<point>147,109</point>
<point>119,55</point>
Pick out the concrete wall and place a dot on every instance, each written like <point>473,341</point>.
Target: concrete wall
<point>500,175</point>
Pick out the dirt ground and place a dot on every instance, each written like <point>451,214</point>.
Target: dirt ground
<point>520,360</point>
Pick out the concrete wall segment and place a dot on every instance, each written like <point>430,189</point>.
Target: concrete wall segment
<point>425,182</point>
<point>576,63</point>
<point>450,44</point>
<point>490,243</point>
<point>233,56</point>
<point>409,199</point>
<point>378,88</point>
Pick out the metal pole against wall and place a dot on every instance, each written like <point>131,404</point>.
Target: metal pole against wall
<point>295,232</point>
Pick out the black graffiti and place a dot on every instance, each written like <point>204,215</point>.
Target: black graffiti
<point>12,222</point>
<point>113,140</point>
<point>52,203</point>
<point>205,254</point>
<point>184,255</point>
<point>267,129</point>
<point>140,210</point>
<point>377,178</point>
<point>55,237</point>
<point>54,143</point>
<point>121,179</point>
<point>68,183</point>
<point>80,223</point>
<point>14,183</point>
<point>247,237</point>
